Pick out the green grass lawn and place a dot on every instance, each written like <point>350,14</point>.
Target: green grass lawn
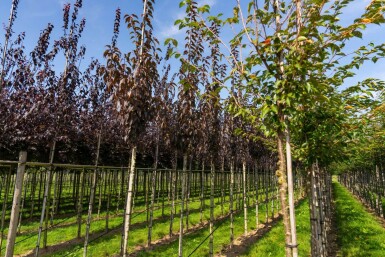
<point>221,236</point>
<point>108,245</point>
<point>359,233</point>
<point>273,242</point>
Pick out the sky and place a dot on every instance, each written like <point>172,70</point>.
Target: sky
<point>34,15</point>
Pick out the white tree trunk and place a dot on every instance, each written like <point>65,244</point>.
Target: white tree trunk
<point>128,211</point>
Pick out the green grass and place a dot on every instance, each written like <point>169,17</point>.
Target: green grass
<point>359,233</point>
<point>221,236</point>
<point>109,244</point>
<point>273,242</point>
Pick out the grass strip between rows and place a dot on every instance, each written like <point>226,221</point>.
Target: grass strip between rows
<point>273,242</point>
<point>359,233</point>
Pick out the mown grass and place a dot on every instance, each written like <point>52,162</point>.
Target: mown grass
<point>273,242</point>
<point>221,236</point>
<point>358,232</point>
<point>110,244</point>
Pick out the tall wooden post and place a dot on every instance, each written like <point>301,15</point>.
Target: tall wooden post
<point>16,204</point>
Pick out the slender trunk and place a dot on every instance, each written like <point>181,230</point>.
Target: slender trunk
<point>212,190</point>
<point>173,189</point>
<point>100,193</point>
<point>188,188</point>
<point>32,196</point>
<point>256,197</point>
<point>231,202</point>
<point>60,191</point>
<point>223,186</point>
<point>281,174</point>
<point>25,186</point>
<point>244,197</point>
<point>16,204</point>
<point>90,207</point>
<point>80,203</point>
<point>4,207</point>
<point>202,196</point>
<point>46,197</point>
<point>180,246</point>
<point>108,200</point>
<point>92,197</point>
<point>54,197</point>
<point>153,187</point>
<point>128,210</point>
<point>291,195</point>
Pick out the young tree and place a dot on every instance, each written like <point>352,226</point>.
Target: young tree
<point>291,47</point>
<point>131,78</point>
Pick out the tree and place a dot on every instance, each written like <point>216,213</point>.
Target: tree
<point>291,47</point>
<point>131,78</point>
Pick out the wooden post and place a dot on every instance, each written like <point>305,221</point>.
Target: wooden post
<point>16,204</point>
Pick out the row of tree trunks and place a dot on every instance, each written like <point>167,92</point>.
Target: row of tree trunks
<point>368,185</point>
<point>249,185</point>
<point>320,210</point>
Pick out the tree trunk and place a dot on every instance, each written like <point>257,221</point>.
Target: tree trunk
<point>173,189</point>
<point>32,196</point>
<point>281,174</point>
<point>153,188</point>
<point>256,197</point>
<point>212,190</point>
<point>188,189</point>
<point>291,195</point>
<point>202,194</point>
<point>92,197</point>
<point>4,207</point>
<point>128,210</point>
<point>46,197</point>
<point>180,246</point>
<point>223,185</point>
<point>22,202</point>
<point>80,203</point>
<point>16,204</point>
<point>244,197</point>
<point>231,202</point>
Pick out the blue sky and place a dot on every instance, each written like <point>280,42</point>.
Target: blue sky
<point>33,16</point>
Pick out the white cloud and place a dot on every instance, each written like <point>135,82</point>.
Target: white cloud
<point>209,2</point>
<point>172,30</point>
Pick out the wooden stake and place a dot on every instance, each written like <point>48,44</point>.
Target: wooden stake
<point>16,204</point>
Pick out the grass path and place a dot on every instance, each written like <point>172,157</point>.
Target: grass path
<point>273,242</point>
<point>358,232</point>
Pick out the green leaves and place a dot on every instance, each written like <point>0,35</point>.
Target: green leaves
<point>171,41</point>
